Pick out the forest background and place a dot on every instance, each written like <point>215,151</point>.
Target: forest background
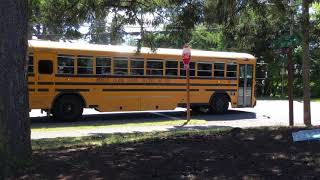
<point>258,27</point>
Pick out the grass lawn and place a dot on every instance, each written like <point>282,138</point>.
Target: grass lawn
<point>316,100</point>
<point>215,153</point>
<point>110,139</point>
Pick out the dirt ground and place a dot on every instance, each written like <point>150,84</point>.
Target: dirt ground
<point>236,154</point>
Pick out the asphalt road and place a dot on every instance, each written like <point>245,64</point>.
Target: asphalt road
<point>266,113</point>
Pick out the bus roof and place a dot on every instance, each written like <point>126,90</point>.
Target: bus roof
<point>35,44</point>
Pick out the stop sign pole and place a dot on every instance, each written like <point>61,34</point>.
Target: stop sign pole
<point>186,57</point>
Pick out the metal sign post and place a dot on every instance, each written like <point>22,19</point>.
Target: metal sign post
<point>186,57</point>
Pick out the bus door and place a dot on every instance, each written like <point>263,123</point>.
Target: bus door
<point>45,72</point>
<point>245,85</point>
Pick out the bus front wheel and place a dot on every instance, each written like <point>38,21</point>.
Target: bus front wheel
<point>67,108</point>
<point>220,104</point>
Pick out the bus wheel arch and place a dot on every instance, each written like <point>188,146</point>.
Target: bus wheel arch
<point>68,106</point>
<point>219,102</point>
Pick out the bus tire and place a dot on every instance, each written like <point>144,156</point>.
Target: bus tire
<point>67,108</point>
<point>220,104</point>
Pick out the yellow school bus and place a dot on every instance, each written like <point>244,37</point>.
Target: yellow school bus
<point>64,78</point>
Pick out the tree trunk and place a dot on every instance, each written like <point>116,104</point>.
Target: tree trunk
<point>15,146</point>
<point>306,63</point>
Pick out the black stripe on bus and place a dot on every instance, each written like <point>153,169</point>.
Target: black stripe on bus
<point>124,58</point>
<point>84,56</point>
<point>221,90</point>
<point>46,83</point>
<point>43,90</point>
<point>145,84</point>
<point>66,55</point>
<point>152,90</point>
<point>31,75</point>
<point>223,78</point>
<point>135,77</point>
<point>115,76</point>
<point>83,90</point>
<point>31,83</point>
<point>184,105</point>
<point>32,90</point>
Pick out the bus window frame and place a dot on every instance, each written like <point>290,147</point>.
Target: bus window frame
<point>30,65</point>
<point>143,67</point>
<point>236,70</point>
<point>110,66</point>
<point>204,62</point>
<point>73,57</point>
<point>154,60</point>
<point>183,70</point>
<point>224,69</point>
<point>114,59</point>
<point>166,68</point>
<point>79,57</point>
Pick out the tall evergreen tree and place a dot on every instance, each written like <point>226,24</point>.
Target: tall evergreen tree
<point>305,25</point>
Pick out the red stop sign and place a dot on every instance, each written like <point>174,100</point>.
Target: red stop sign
<point>186,55</point>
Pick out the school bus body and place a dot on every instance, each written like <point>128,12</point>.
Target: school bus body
<point>127,92</point>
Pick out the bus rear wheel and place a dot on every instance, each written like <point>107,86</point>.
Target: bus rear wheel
<point>67,108</point>
<point>220,104</point>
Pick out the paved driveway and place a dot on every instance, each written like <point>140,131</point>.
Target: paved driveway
<point>266,113</point>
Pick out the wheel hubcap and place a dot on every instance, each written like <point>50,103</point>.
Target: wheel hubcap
<point>68,108</point>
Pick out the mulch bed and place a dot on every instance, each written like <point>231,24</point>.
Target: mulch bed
<point>236,154</point>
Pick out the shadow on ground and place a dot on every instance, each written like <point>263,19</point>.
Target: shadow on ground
<point>141,117</point>
<point>231,115</point>
<point>237,154</point>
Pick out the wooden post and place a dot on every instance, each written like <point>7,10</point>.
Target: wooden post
<point>290,86</point>
<point>186,57</point>
<point>290,69</point>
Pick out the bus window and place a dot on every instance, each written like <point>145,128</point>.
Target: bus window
<point>65,64</point>
<point>192,69</point>
<point>30,64</point>
<point>120,66</point>
<point>171,68</point>
<point>103,65</point>
<point>231,70</point>
<point>204,69</point>
<point>45,67</point>
<point>137,67</point>
<point>154,67</point>
<point>85,65</point>
<point>219,70</point>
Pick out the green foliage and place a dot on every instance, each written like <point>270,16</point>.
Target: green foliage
<point>203,38</point>
<point>57,19</point>
<point>243,26</point>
